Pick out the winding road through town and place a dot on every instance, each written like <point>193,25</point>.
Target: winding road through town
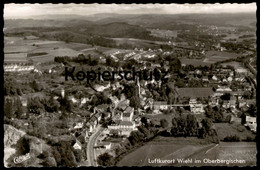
<point>90,148</point>
<point>91,156</point>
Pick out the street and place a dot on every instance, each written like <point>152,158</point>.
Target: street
<point>91,143</point>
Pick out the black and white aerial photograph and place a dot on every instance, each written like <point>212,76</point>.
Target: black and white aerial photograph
<point>101,85</point>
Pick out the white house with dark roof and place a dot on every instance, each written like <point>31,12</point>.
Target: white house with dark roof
<point>196,107</point>
<point>125,124</point>
<point>160,105</point>
<point>127,115</point>
<point>77,145</point>
<point>251,123</point>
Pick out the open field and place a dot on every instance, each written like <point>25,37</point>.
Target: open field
<point>137,42</point>
<point>195,92</point>
<point>17,48</point>
<point>21,57</point>
<point>168,148</point>
<point>163,33</point>
<point>234,64</point>
<point>233,129</point>
<point>194,62</point>
<point>244,151</point>
<point>162,148</point>
<point>216,56</point>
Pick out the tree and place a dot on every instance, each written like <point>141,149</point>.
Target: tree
<point>164,123</point>
<point>36,86</point>
<point>135,102</point>
<point>144,120</point>
<point>9,109</point>
<point>180,83</point>
<point>192,126</point>
<point>252,110</point>
<point>174,122</point>
<point>49,162</point>
<point>105,160</point>
<point>135,137</point>
<point>19,110</point>
<point>35,106</point>
<point>247,95</point>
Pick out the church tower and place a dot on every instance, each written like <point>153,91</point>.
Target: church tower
<point>138,87</point>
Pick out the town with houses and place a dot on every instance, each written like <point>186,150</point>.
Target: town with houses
<point>52,122</point>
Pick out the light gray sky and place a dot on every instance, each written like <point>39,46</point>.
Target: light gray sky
<point>25,10</point>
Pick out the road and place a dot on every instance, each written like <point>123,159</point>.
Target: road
<point>91,143</point>
<point>254,70</point>
<point>93,139</point>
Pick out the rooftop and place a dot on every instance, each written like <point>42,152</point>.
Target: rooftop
<point>160,103</point>
<point>127,114</point>
<point>128,110</point>
<point>126,123</point>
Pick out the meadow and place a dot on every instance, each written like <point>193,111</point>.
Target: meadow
<point>194,62</point>
<point>177,148</point>
<point>233,129</point>
<point>216,56</point>
<point>163,148</point>
<point>163,33</point>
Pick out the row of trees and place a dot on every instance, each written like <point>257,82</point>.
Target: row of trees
<point>189,126</point>
<point>216,114</point>
<point>13,108</point>
<point>81,58</point>
<point>14,88</point>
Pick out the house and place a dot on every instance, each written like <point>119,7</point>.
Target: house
<point>195,107</point>
<point>241,71</point>
<point>198,71</point>
<point>226,104</point>
<point>214,101</point>
<point>125,124</point>
<point>127,115</point>
<point>241,103</point>
<point>160,105</point>
<point>214,78</point>
<point>205,78</point>
<point>229,79</point>
<point>98,116</point>
<point>148,103</point>
<point>241,79</point>
<point>223,88</point>
<point>101,108</point>
<point>137,120</point>
<point>123,105</point>
<point>78,125</point>
<point>251,123</point>
<point>250,102</point>
<point>73,99</point>
<point>92,123</point>
<point>84,100</point>
<point>252,127</point>
<point>77,145</point>
<point>91,126</point>
<point>232,102</point>
<point>106,145</point>
<point>126,127</point>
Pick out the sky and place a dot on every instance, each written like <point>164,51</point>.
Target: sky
<point>26,10</point>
